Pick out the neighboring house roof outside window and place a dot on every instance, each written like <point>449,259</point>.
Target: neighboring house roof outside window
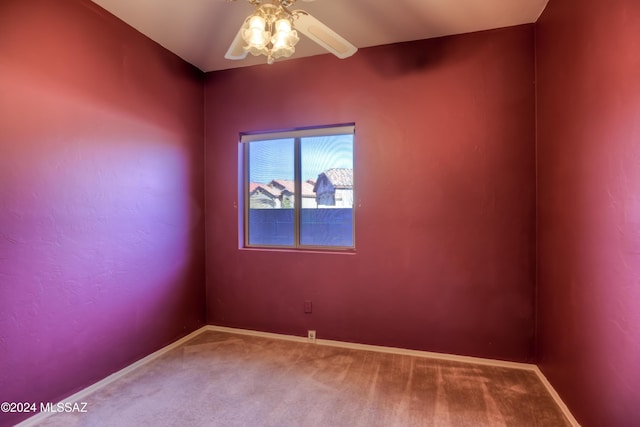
<point>339,178</point>
<point>288,185</point>
<point>255,187</point>
<point>277,193</point>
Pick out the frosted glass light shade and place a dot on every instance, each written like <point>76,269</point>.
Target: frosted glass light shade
<point>255,35</point>
<point>284,39</point>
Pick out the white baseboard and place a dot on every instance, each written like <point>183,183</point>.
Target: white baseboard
<point>255,333</point>
<point>79,396</point>
<point>552,391</point>
<point>415,353</point>
<point>380,349</point>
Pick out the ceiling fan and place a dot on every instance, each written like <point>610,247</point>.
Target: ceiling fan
<point>272,31</point>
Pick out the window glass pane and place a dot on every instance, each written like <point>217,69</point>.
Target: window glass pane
<point>271,193</point>
<point>326,215</point>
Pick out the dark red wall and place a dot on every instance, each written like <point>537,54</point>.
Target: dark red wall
<point>101,198</point>
<point>588,63</point>
<point>445,217</point>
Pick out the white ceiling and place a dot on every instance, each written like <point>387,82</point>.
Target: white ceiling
<point>200,31</point>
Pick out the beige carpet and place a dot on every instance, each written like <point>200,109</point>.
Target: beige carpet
<point>221,379</point>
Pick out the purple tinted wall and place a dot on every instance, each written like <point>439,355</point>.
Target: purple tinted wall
<point>444,209</point>
<point>588,62</point>
<point>101,198</point>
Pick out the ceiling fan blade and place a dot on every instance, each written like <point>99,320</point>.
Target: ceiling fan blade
<point>323,35</point>
<point>236,50</point>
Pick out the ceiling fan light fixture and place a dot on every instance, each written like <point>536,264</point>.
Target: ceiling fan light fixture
<point>255,35</point>
<point>269,32</point>
<point>284,39</point>
<point>272,30</point>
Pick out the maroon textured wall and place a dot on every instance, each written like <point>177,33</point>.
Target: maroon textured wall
<point>101,198</point>
<point>588,56</point>
<point>445,212</point>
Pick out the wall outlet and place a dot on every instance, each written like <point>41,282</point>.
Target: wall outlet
<point>311,336</point>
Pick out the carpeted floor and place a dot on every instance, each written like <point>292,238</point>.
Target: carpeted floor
<point>222,379</point>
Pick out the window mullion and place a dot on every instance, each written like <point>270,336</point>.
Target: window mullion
<point>297,173</point>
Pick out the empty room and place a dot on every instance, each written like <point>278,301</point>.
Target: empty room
<point>320,213</point>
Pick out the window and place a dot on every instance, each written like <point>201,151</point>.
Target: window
<point>298,188</point>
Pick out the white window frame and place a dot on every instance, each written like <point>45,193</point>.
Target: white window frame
<point>296,134</point>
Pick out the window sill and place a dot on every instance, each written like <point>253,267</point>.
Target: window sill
<point>349,251</point>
